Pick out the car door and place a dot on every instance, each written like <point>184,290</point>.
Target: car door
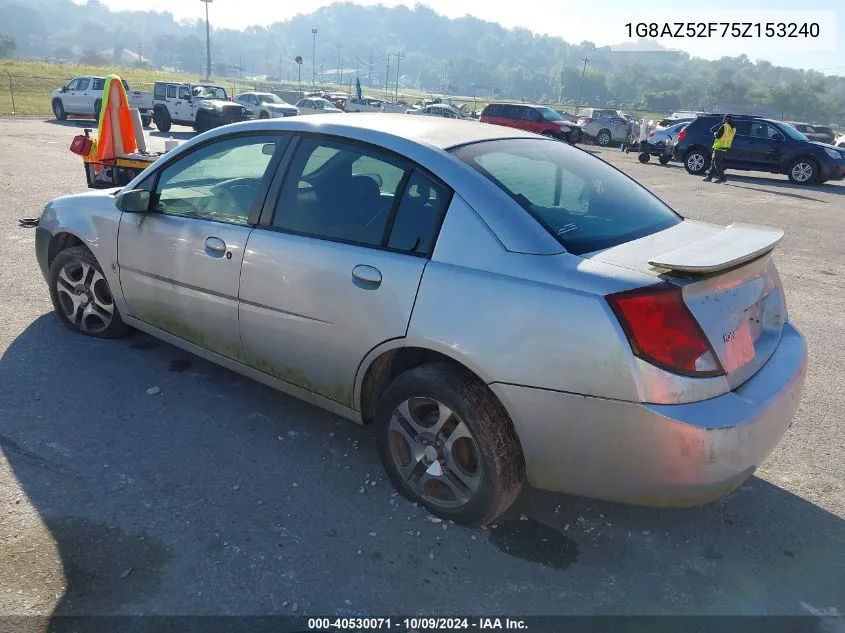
<point>84,96</point>
<point>180,263</point>
<point>757,147</point>
<point>69,96</point>
<point>333,269</point>
<point>185,105</point>
<point>172,98</point>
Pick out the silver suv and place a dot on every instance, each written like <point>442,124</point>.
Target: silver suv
<point>605,126</point>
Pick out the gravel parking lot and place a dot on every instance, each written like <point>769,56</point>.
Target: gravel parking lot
<point>218,495</point>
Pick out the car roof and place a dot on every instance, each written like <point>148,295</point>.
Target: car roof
<point>440,133</point>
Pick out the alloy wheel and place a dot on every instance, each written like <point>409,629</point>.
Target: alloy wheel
<point>85,297</point>
<point>435,452</point>
<point>802,172</point>
<point>695,162</point>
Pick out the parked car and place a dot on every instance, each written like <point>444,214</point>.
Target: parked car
<point>820,133</point>
<point>317,105</point>
<point>581,349</point>
<point>200,106</point>
<point>761,145</point>
<point>266,105</point>
<point>439,109</point>
<point>840,140</point>
<point>83,96</point>
<point>604,126</point>
<point>666,135</point>
<point>532,118</point>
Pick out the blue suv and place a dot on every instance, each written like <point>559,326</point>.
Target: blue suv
<point>761,145</point>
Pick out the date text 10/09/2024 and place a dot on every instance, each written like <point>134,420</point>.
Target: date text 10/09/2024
<point>417,624</point>
<point>724,29</point>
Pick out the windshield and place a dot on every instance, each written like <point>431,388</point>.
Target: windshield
<point>269,98</point>
<point>790,132</point>
<point>581,200</point>
<point>209,92</point>
<point>549,114</point>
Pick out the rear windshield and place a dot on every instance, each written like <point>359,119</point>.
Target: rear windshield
<point>582,201</point>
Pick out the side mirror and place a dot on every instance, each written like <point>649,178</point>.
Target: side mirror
<point>778,137</point>
<point>134,201</point>
<point>268,149</point>
<point>64,88</point>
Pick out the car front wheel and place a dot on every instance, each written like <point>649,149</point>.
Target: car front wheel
<point>82,297</point>
<point>447,443</point>
<point>59,110</point>
<point>603,138</point>
<point>803,171</point>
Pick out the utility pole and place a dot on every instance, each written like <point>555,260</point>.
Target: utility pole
<point>314,58</point>
<point>339,65</point>
<point>399,57</point>
<point>386,76</point>
<point>322,73</point>
<point>140,53</point>
<point>207,41</point>
<point>581,89</point>
<point>371,68</point>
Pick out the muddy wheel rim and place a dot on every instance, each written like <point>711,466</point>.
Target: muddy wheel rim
<point>57,110</point>
<point>604,138</point>
<point>85,297</point>
<point>695,162</point>
<point>434,452</point>
<point>802,172</point>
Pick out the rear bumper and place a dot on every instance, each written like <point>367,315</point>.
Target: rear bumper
<point>657,455</point>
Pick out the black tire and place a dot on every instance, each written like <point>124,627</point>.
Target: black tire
<point>98,105</point>
<point>644,157</point>
<point>604,138</point>
<point>264,115</point>
<point>59,110</point>
<point>494,447</point>
<point>549,134</point>
<point>574,137</point>
<point>664,159</point>
<point>162,120</point>
<point>79,260</point>
<point>201,123</point>
<point>696,161</point>
<point>146,121</point>
<point>803,171</point>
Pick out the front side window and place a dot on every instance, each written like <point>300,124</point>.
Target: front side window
<point>586,204</point>
<point>339,191</point>
<point>550,115</point>
<point>171,91</point>
<point>219,181</point>
<point>83,84</point>
<point>72,85</point>
<point>159,91</point>
<point>184,93</point>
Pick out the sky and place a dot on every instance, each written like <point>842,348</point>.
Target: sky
<point>578,21</point>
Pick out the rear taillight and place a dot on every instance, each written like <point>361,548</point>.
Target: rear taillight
<point>588,120</point>
<point>681,135</point>
<point>651,134</point>
<point>662,331</point>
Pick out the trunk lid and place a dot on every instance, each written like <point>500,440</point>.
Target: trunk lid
<point>729,281</point>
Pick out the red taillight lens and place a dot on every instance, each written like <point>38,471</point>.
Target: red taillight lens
<point>663,332</point>
<point>651,134</point>
<point>681,135</point>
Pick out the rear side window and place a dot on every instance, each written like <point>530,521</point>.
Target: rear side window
<point>582,201</point>
<point>511,111</point>
<point>419,215</point>
<point>493,109</point>
<point>98,84</point>
<point>160,91</point>
<point>171,91</point>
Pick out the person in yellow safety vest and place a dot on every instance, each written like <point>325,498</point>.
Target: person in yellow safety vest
<point>724,139</point>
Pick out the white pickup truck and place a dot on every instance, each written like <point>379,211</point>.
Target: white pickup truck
<point>83,96</point>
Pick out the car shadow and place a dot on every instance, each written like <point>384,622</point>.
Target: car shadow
<point>797,196</point>
<point>166,484</point>
<point>774,181</point>
<point>73,122</point>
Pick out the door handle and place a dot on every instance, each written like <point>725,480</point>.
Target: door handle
<point>215,245</point>
<point>367,274</point>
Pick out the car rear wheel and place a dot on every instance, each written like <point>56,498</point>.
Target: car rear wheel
<point>263,115</point>
<point>696,162</point>
<point>82,297</point>
<point>98,105</point>
<point>59,110</point>
<point>603,138</point>
<point>644,157</point>
<point>664,159</point>
<point>162,120</point>
<point>803,171</point>
<point>447,443</point>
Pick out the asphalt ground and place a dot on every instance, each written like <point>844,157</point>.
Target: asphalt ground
<point>219,495</point>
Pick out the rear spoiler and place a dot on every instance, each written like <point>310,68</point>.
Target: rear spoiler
<point>730,247</point>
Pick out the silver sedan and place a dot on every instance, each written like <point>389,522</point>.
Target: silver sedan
<point>502,307</point>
